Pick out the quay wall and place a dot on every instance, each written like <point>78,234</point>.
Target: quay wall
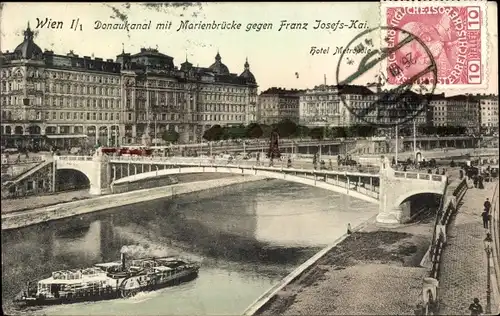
<point>269,296</point>
<point>31,217</point>
<point>144,184</point>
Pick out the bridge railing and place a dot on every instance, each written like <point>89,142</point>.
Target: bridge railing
<point>73,158</point>
<point>211,163</point>
<point>420,176</point>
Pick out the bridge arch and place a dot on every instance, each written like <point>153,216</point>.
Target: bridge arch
<point>71,178</point>
<point>90,168</point>
<point>411,193</point>
<point>251,172</point>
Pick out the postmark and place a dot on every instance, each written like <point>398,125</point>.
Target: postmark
<point>381,106</point>
<point>455,32</point>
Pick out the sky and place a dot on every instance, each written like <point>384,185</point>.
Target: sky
<point>277,58</point>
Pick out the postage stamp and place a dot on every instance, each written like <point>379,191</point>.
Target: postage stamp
<point>455,32</point>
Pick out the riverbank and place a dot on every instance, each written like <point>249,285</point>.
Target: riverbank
<point>30,217</point>
<point>360,275</point>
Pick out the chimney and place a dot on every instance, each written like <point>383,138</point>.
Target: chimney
<point>123,261</point>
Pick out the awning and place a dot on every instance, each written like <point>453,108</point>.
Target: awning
<point>66,136</point>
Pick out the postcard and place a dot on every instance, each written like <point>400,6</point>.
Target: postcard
<point>249,158</point>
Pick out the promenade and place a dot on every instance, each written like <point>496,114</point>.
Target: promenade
<point>373,272</point>
<point>463,265</point>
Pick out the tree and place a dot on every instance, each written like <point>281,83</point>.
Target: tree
<point>254,130</point>
<point>338,132</point>
<point>286,128</point>
<point>317,133</point>
<point>302,131</point>
<point>213,133</point>
<point>363,130</point>
<point>426,130</point>
<point>266,130</point>
<point>170,136</point>
<point>236,132</point>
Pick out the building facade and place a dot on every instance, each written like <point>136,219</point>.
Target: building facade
<point>438,108</point>
<point>343,106</point>
<point>463,110</point>
<point>68,100</point>
<point>277,104</point>
<point>489,114</point>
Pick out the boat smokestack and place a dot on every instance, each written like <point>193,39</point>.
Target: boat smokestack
<point>123,261</point>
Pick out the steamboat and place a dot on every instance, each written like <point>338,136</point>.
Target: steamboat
<point>120,279</point>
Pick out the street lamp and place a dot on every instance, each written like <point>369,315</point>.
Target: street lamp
<point>488,248</point>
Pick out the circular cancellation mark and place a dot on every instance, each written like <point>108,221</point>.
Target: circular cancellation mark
<point>414,71</point>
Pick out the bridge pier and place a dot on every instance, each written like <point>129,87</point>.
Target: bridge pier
<point>397,187</point>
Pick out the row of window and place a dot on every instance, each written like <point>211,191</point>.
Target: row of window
<point>223,108</point>
<point>199,117</point>
<point>221,117</point>
<point>80,103</point>
<point>83,77</point>
<point>80,89</point>
<point>65,102</point>
<point>337,97</point>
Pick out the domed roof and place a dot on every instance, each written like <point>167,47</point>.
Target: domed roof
<point>28,49</point>
<point>247,74</point>
<point>218,67</point>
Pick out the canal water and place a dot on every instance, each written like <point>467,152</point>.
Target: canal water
<point>247,238</point>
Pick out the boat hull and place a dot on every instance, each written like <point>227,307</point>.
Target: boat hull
<point>40,301</point>
<point>153,287</point>
<point>107,295</point>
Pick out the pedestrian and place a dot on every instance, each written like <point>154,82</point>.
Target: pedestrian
<point>475,308</point>
<point>486,217</point>
<point>349,230</point>
<point>487,205</point>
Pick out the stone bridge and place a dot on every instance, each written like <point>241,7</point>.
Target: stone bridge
<point>391,189</point>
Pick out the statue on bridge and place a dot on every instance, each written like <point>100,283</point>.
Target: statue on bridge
<point>274,151</point>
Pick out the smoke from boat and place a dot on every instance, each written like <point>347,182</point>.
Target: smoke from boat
<point>139,251</point>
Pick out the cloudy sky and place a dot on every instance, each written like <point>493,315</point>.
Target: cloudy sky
<point>277,57</point>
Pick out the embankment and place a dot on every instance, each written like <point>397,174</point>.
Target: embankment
<point>31,217</point>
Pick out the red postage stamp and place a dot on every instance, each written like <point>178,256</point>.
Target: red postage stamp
<point>450,36</point>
